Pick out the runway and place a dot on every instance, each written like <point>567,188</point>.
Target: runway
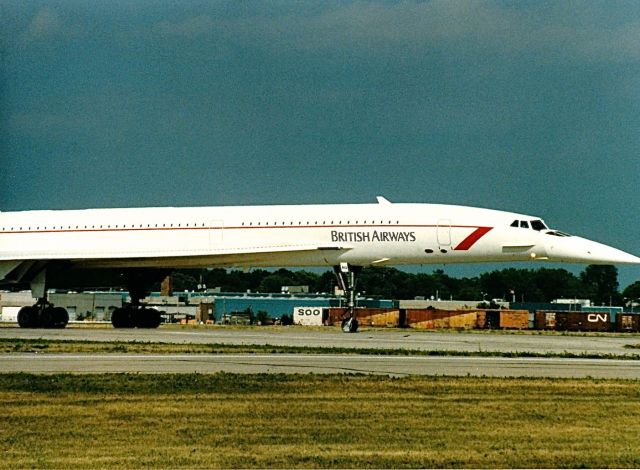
<point>331,363</point>
<point>333,337</point>
<point>318,364</point>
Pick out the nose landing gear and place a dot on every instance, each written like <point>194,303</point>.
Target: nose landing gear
<point>347,275</point>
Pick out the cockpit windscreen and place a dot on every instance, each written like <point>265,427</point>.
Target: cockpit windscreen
<point>537,225</point>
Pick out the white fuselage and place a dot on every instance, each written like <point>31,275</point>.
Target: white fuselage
<point>278,236</point>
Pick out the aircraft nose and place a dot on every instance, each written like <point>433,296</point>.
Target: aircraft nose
<point>581,250</point>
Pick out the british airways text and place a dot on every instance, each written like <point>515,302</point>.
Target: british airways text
<point>373,236</point>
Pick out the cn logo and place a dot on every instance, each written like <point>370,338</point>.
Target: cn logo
<point>597,317</point>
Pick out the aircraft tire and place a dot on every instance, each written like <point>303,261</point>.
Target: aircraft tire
<point>60,317</point>
<point>148,318</point>
<point>27,317</point>
<point>47,317</point>
<point>350,325</point>
<point>121,318</point>
<point>140,318</point>
<point>154,318</point>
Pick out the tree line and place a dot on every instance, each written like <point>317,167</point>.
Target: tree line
<point>597,283</point>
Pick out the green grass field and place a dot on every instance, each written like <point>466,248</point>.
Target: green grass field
<point>227,420</point>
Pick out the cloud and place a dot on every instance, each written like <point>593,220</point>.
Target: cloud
<point>45,24</point>
<point>476,26</point>
<point>38,123</point>
<point>382,28</point>
<point>552,32</point>
<point>189,27</point>
<point>616,45</point>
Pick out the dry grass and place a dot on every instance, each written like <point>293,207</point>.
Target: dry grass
<point>227,420</point>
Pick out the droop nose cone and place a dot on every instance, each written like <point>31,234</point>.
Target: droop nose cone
<point>581,250</point>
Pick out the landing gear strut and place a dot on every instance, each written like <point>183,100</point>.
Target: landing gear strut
<point>346,276</point>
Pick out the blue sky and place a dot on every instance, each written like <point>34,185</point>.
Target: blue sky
<point>526,106</point>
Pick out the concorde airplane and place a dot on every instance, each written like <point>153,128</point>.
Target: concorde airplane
<point>136,247</point>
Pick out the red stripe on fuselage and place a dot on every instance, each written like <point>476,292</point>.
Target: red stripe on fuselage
<point>476,235</point>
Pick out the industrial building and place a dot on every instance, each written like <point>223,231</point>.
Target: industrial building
<point>317,309</point>
<point>215,307</point>
<point>220,307</point>
<point>90,306</point>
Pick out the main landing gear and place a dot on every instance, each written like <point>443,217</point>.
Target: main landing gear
<point>346,276</point>
<point>43,315</point>
<point>135,314</point>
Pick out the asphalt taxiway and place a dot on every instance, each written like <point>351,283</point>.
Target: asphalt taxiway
<point>395,365</point>
<point>318,364</point>
<point>332,337</point>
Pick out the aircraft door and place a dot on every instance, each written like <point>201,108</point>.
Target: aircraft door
<point>216,228</point>
<point>444,232</point>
